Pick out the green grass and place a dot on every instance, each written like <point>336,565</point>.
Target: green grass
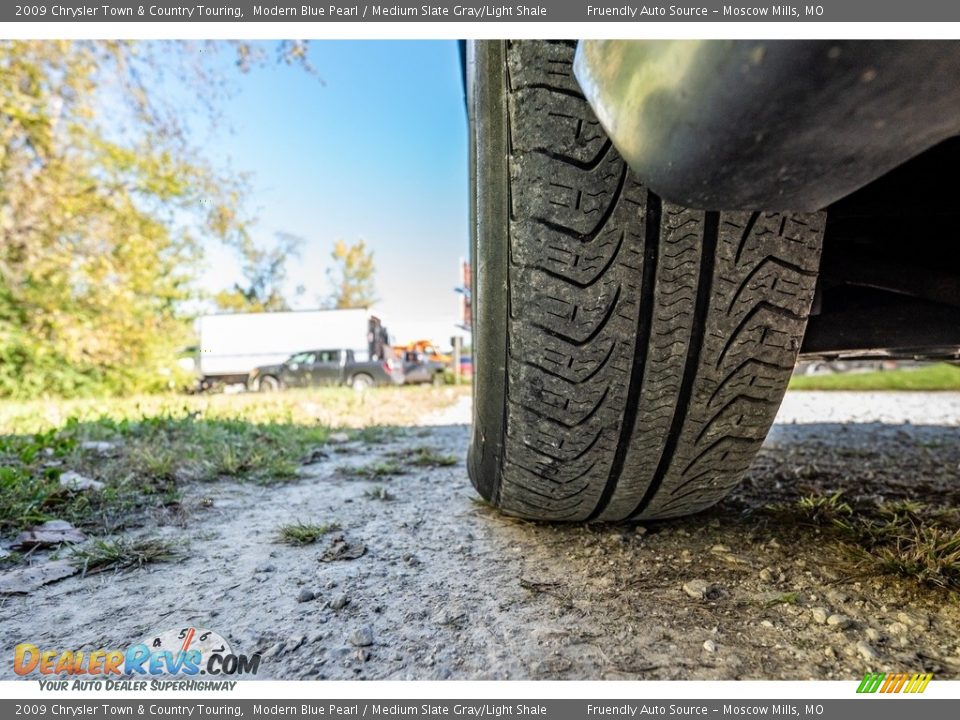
<point>300,533</point>
<point>940,376</point>
<point>163,443</point>
<point>426,457</point>
<point>903,538</point>
<point>119,554</point>
<point>374,470</point>
<point>378,493</point>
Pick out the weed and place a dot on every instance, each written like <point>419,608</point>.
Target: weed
<point>377,434</point>
<point>902,537</point>
<point>378,493</point>
<point>301,533</point>
<point>119,554</point>
<point>423,456</point>
<point>788,598</point>
<point>371,471</point>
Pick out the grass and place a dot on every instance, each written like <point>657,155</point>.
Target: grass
<point>378,493</point>
<point>374,470</point>
<point>903,538</point>
<point>162,443</point>
<point>426,457</point>
<point>399,462</point>
<point>119,554</point>
<point>940,376</point>
<point>300,533</point>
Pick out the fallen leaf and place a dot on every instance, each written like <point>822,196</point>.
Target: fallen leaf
<point>49,533</point>
<point>339,548</point>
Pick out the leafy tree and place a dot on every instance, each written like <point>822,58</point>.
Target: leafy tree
<point>265,271</point>
<point>102,205</point>
<point>352,276</point>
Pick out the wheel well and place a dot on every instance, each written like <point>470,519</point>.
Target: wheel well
<point>890,271</point>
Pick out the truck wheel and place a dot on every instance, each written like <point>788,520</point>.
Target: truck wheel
<point>632,353</point>
<point>268,383</point>
<point>361,382</point>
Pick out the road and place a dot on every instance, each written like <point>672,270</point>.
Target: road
<point>423,581</point>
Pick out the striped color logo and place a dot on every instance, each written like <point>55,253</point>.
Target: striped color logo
<point>894,682</point>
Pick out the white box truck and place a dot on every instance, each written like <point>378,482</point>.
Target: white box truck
<point>231,345</point>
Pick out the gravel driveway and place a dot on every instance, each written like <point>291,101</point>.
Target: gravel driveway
<point>423,581</point>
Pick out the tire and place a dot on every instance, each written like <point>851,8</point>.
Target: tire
<point>632,353</point>
<point>268,383</point>
<point>361,382</point>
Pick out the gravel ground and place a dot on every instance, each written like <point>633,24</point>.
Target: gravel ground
<point>423,581</point>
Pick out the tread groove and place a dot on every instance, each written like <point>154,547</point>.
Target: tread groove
<point>711,231</point>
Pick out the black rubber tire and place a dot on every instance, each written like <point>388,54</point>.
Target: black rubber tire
<point>362,382</point>
<point>268,383</point>
<point>632,353</point>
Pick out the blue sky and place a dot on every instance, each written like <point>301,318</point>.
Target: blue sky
<point>379,151</point>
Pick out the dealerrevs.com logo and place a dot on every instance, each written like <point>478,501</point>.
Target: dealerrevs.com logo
<point>187,651</point>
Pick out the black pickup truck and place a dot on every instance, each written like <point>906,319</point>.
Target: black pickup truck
<point>325,367</point>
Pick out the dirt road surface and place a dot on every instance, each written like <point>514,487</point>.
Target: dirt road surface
<point>423,581</point>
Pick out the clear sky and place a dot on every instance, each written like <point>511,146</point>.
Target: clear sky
<point>378,151</point>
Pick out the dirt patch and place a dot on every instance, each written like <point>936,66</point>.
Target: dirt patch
<point>420,580</point>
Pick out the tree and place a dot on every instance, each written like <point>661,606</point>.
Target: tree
<point>265,271</point>
<point>352,276</point>
<point>103,202</point>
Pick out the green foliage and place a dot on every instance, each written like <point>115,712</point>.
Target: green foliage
<point>935,376</point>
<point>120,554</point>
<point>301,533</point>
<point>103,203</point>
<point>352,276</point>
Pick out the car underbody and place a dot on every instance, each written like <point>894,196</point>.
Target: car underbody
<point>865,130</point>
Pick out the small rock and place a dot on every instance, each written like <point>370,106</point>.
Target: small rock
<point>339,437</point>
<point>837,597</point>
<point>719,549</point>
<point>907,620</point>
<point>75,481</point>
<point>710,646</point>
<point>275,650</point>
<point>339,602</point>
<point>873,635</point>
<point>702,590</point>
<point>265,568</point>
<point>640,530</point>
<point>315,456</point>
<point>866,651</point>
<point>839,621</point>
<point>897,628</point>
<point>362,636</point>
<point>766,623</point>
<point>305,595</point>
<point>819,614</point>
<point>99,446</point>
<point>772,575</point>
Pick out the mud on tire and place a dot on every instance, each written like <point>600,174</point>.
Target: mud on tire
<point>631,353</point>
